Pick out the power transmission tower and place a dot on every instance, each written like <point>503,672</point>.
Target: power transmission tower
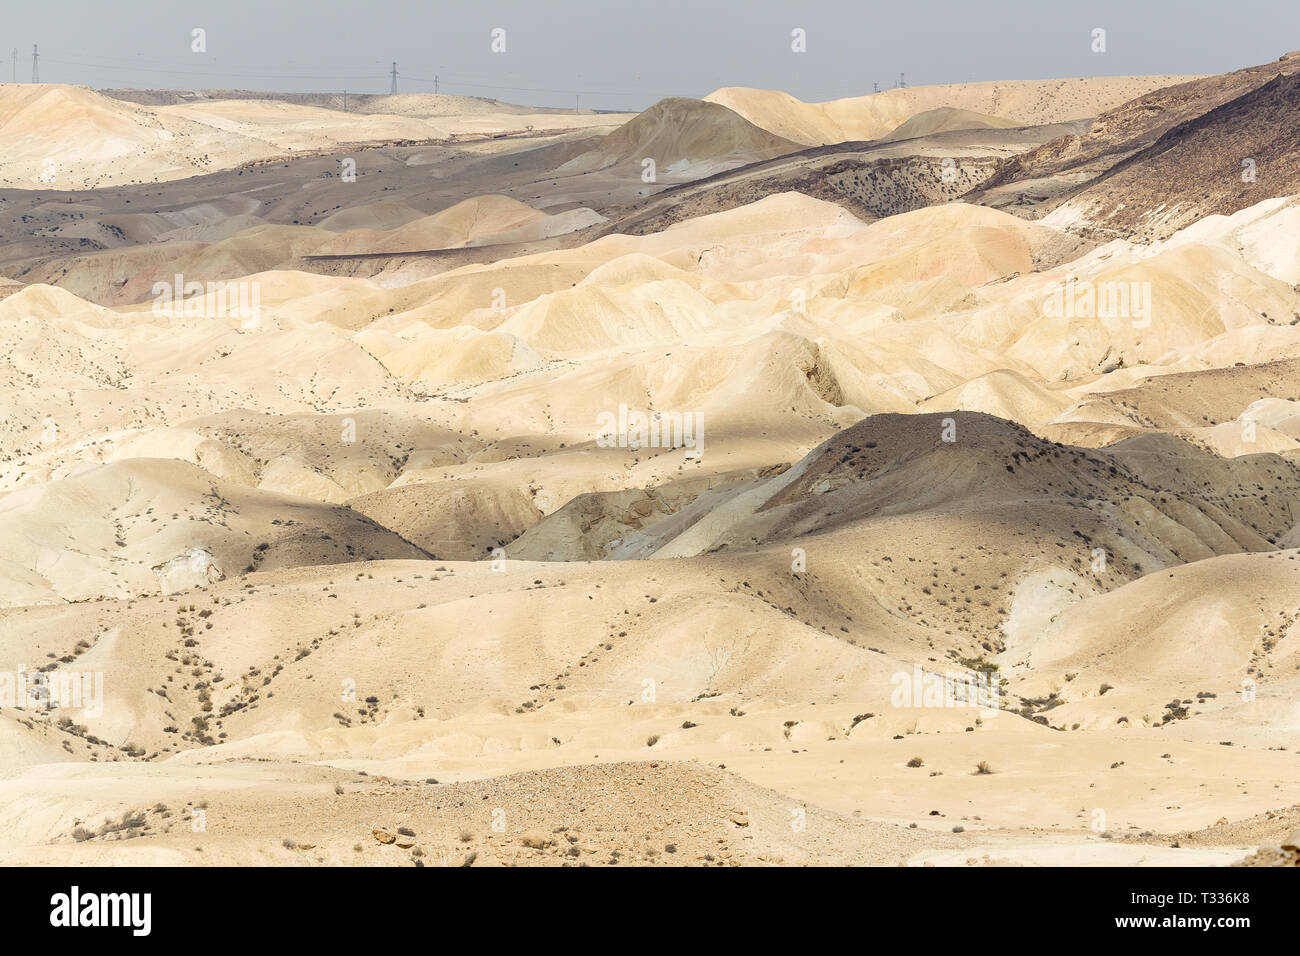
<point>36,72</point>
<point>902,82</point>
<point>345,101</point>
<point>15,65</point>
<point>435,84</point>
<point>394,89</point>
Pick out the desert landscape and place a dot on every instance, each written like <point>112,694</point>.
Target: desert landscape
<point>910,479</point>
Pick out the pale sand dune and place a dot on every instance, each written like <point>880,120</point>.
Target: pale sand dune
<point>380,216</point>
<point>947,119</point>
<point>483,220</point>
<point>145,524</point>
<point>683,135</point>
<point>1026,102</point>
<point>454,722</point>
<point>71,137</point>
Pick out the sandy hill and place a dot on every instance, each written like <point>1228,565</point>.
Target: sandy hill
<point>454,519</point>
<point>400,104</point>
<point>946,119</point>
<point>83,381</point>
<point>458,225</point>
<point>1258,128</point>
<point>1026,102</point>
<point>1056,169</point>
<point>73,138</point>
<point>1179,325</point>
<point>1152,492</point>
<point>948,295</point>
<point>429,749</point>
<point>152,524</point>
<point>1214,407</point>
<point>304,454</point>
<point>482,220</point>
<point>70,137</point>
<point>432,358</point>
<point>380,215</point>
<point>872,179</point>
<point>240,245</point>
<point>1006,394</point>
<point>1200,633</point>
<point>685,137</point>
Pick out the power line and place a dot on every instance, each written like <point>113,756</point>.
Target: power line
<point>535,89</point>
<point>230,73</point>
<point>465,81</point>
<point>166,60</point>
<point>369,70</point>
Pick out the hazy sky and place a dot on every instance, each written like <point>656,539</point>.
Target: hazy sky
<point>622,54</point>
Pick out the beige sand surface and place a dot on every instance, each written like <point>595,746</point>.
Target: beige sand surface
<point>369,578</point>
